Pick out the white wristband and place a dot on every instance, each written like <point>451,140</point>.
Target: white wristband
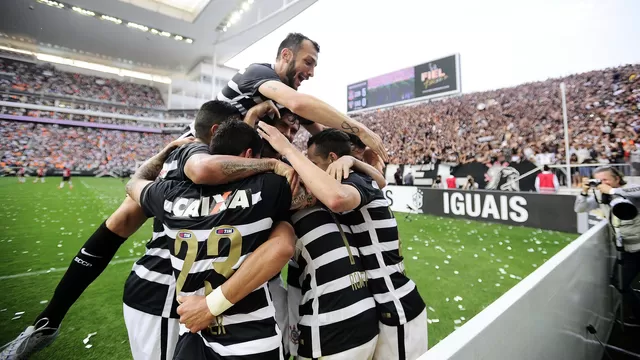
<point>217,302</point>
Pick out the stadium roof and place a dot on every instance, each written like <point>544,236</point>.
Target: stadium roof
<point>170,36</point>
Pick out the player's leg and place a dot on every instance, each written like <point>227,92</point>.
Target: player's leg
<point>151,337</point>
<point>91,260</point>
<point>61,184</point>
<point>71,185</point>
<point>42,179</point>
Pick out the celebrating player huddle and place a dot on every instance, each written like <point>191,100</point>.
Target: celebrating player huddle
<point>229,214</point>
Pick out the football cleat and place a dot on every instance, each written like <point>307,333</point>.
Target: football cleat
<point>30,341</point>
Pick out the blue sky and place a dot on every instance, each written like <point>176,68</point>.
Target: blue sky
<point>501,43</point>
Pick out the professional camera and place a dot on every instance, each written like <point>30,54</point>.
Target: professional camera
<point>594,182</point>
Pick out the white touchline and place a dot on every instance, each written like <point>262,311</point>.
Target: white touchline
<point>32,273</point>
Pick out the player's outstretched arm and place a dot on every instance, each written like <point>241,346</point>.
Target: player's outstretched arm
<point>223,169</point>
<point>339,170</point>
<point>197,312</point>
<point>151,168</point>
<point>318,111</point>
<point>331,193</point>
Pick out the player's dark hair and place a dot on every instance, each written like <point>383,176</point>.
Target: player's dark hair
<point>233,137</point>
<point>355,141</point>
<point>293,41</point>
<point>213,112</point>
<point>331,140</point>
<point>545,168</point>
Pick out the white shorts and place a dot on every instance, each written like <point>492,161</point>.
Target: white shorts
<point>362,352</point>
<point>279,298</point>
<point>408,341</point>
<point>151,337</point>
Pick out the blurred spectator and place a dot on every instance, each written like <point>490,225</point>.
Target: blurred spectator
<point>547,182</point>
<point>408,178</point>
<point>471,184</point>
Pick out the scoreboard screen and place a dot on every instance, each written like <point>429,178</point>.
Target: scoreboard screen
<point>432,79</point>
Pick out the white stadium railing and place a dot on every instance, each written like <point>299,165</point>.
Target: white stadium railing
<point>545,315</point>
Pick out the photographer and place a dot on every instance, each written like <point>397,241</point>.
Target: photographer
<point>471,184</point>
<point>619,203</point>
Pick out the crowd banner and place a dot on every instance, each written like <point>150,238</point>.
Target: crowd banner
<point>542,211</point>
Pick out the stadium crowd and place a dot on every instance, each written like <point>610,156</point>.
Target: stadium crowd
<point>51,146</point>
<point>522,122</point>
<point>505,125</point>
<point>45,79</point>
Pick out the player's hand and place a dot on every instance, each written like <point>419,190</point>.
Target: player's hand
<point>179,142</point>
<point>266,108</point>
<point>287,172</point>
<point>373,141</point>
<point>302,199</point>
<point>274,137</point>
<point>604,188</point>
<point>194,313</point>
<point>339,169</point>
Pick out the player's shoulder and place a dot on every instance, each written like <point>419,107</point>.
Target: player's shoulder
<point>358,178</point>
<point>258,69</point>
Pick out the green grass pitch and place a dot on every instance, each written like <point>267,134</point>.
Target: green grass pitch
<point>460,266</point>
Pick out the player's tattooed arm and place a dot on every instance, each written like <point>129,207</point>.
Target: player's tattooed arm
<point>223,169</point>
<point>150,169</point>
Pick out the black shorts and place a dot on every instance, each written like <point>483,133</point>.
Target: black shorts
<point>191,346</point>
<point>66,178</point>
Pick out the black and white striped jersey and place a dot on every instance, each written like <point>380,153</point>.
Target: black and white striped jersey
<point>242,90</point>
<point>150,287</point>
<point>336,311</point>
<point>375,233</point>
<point>210,230</point>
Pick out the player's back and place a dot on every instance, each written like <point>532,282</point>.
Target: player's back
<point>210,231</point>
<point>375,233</point>
<point>336,311</point>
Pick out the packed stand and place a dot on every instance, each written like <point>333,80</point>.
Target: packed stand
<point>27,77</point>
<point>52,146</point>
<point>522,122</point>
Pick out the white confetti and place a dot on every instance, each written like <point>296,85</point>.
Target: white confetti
<point>446,261</point>
<point>89,346</point>
<point>479,280</point>
<point>456,272</point>
<point>530,250</point>
<point>432,309</point>
<point>409,248</point>
<point>415,258</point>
<point>19,313</point>
<point>497,284</point>
<point>457,322</point>
<point>462,318</point>
<point>61,228</point>
<point>475,255</point>
<point>447,299</point>
<point>44,301</point>
<point>16,317</point>
<point>437,267</point>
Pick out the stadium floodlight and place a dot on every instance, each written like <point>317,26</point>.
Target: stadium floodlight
<point>111,18</point>
<point>82,11</point>
<point>165,34</point>
<point>189,41</point>
<point>178,37</point>
<point>96,67</point>
<point>16,50</point>
<point>154,31</point>
<point>138,26</point>
<point>246,6</point>
<point>54,59</point>
<point>52,3</point>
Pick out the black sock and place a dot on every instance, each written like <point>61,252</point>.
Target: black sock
<point>85,267</point>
